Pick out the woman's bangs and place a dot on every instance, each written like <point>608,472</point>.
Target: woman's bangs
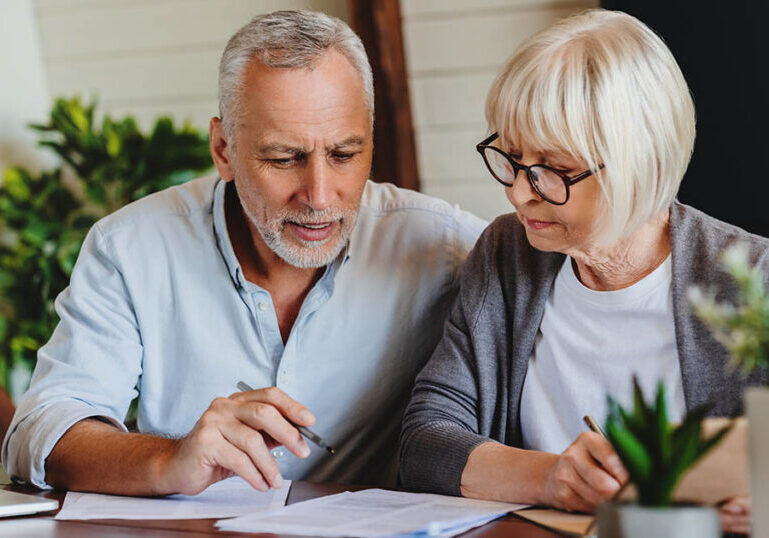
<point>533,110</point>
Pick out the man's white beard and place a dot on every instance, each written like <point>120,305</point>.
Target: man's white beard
<point>307,254</point>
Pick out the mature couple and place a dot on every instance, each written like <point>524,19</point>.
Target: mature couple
<point>293,273</point>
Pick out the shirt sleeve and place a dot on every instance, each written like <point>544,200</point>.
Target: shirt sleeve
<point>440,426</point>
<point>467,230</point>
<point>89,367</point>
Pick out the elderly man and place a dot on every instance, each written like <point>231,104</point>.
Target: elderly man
<point>289,272</point>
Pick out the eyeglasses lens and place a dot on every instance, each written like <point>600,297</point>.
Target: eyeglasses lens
<point>547,183</point>
<point>499,166</point>
<point>550,185</point>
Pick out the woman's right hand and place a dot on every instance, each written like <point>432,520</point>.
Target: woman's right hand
<point>586,474</point>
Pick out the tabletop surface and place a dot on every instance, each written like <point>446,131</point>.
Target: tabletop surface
<point>45,526</point>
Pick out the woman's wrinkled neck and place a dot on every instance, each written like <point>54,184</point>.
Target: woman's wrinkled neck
<point>626,262</point>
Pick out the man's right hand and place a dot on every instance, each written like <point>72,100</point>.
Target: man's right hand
<point>234,437</point>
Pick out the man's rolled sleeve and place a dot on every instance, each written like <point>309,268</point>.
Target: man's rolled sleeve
<point>89,367</point>
<point>32,440</point>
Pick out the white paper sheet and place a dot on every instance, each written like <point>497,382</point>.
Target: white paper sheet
<point>372,513</point>
<point>228,498</point>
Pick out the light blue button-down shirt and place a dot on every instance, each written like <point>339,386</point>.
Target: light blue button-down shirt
<point>158,303</point>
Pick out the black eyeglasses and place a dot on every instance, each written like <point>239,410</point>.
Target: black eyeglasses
<point>551,184</point>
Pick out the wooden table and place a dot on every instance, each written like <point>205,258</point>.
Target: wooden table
<point>45,526</point>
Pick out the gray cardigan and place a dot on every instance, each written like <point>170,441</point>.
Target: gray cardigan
<point>470,390</point>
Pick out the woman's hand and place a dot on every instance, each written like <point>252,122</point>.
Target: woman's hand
<point>735,515</point>
<point>586,474</point>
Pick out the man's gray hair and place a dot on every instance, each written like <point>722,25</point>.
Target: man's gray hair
<point>287,39</point>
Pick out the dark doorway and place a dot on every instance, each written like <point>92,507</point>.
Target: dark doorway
<point>723,51</point>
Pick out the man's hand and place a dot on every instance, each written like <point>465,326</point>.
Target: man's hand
<point>586,474</point>
<point>234,437</point>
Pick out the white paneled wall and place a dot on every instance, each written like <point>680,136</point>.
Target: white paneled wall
<point>147,57</point>
<point>454,49</point>
<point>23,93</point>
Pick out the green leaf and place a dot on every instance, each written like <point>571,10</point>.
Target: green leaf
<point>662,426</point>
<point>114,143</point>
<point>16,184</point>
<point>640,410</point>
<point>79,119</point>
<point>655,454</point>
<point>631,451</point>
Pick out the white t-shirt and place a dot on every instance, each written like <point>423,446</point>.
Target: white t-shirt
<point>590,343</point>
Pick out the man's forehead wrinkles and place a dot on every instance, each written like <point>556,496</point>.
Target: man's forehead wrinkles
<point>280,148</point>
<point>297,142</point>
<point>306,108</point>
<point>348,142</point>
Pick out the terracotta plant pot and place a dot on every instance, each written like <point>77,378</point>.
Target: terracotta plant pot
<point>620,520</point>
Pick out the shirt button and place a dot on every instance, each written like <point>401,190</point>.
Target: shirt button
<point>263,306</point>
<point>278,452</point>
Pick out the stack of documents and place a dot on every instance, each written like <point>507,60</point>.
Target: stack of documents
<point>374,512</point>
<point>228,498</point>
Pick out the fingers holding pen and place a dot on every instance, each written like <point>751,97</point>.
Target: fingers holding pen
<point>594,483</point>
<point>292,411</point>
<point>235,435</point>
<point>253,445</point>
<point>229,457</point>
<point>285,404</point>
<point>587,473</point>
<point>264,417</point>
<point>601,451</point>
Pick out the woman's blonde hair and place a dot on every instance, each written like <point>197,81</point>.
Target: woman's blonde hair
<point>602,87</point>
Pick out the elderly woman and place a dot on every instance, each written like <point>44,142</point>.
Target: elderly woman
<point>584,285</point>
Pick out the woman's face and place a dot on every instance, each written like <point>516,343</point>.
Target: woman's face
<point>559,228</point>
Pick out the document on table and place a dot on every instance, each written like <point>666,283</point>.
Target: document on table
<point>228,498</point>
<point>374,512</point>
<point>566,523</point>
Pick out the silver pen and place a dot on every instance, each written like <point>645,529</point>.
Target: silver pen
<point>309,434</point>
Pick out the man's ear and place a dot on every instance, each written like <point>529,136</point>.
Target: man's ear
<point>220,149</point>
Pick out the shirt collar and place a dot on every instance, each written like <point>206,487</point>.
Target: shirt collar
<point>223,237</point>
<point>228,252</point>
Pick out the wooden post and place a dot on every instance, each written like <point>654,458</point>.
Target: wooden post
<point>379,25</point>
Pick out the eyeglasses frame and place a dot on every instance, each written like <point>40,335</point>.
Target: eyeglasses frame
<point>517,167</point>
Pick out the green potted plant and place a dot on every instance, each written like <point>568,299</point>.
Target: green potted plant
<point>44,217</point>
<point>743,329</point>
<point>656,454</point>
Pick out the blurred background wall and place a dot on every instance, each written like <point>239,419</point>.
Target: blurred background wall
<point>24,95</point>
<point>153,57</point>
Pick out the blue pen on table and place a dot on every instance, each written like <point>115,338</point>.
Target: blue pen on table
<point>309,434</point>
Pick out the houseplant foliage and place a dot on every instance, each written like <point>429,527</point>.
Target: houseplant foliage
<point>44,217</point>
<point>742,328</point>
<point>655,453</point>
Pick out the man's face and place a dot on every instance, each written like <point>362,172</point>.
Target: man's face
<point>302,155</point>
